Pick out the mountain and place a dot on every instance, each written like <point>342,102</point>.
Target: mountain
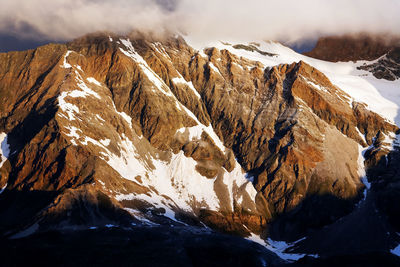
<point>109,133</point>
<point>353,47</point>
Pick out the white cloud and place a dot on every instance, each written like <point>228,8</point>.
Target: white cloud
<point>215,19</point>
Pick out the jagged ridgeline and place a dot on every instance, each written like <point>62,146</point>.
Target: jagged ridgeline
<point>138,129</point>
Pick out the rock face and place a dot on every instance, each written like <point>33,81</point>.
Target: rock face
<point>144,129</point>
<point>387,67</point>
<point>353,47</point>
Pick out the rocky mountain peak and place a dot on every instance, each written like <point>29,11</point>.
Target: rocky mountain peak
<point>145,129</point>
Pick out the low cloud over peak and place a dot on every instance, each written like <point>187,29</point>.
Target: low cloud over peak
<point>207,19</point>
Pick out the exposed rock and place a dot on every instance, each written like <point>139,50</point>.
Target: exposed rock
<point>387,67</point>
<point>145,128</point>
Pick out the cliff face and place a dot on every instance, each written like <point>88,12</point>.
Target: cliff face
<point>143,129</point>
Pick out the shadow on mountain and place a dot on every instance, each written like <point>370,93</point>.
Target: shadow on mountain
<point>375,259</point>
<point>313,213</point>
<point>17,208</point>
<point>24,212</point>
<point>137,246</point>
<point>373,225</point>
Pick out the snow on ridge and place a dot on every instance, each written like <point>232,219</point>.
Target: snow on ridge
<point>151,75</point>
<point>160,49</point>
<point>181,80</point>
<point>361,170</point>
<point>196,131</point>
<point>214,68</point>
<point>93,80</point>
<point>3,188</point>
<point>123,115</point>
<point>105,142</point>
<point>73,133</point>
<point>82,85</point>
<point>100,118</point>
<point>343,97</point>
<point>82,92</point>
<point>380,96</point>
<point>66,107</point>
<point>279,247</point>
<point>317,86</point>
<point>4,148</point>
<point>66,65</point>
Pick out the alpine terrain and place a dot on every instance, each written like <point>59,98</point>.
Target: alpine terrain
<point>171,153</point>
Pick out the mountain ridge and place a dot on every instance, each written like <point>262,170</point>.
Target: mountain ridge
<point>147,130</point>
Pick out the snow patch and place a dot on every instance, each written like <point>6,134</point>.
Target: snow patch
<point>100,118</point>
<point>27,232</point>
<point>396,251</point>
<point>214,68</point>
<point>93,80</point>
<point>196,131</point>
<point>151,75</point>
<point>82,92</point>
<point>4,148</point>
<point>140,216</point>
<point>105,142</point>
<point>361,170</point>
<point>129,163</point>
<point>123,115</point>
<point>73,133</point>
<point>66,107</point>
<point>3,188</point>
<point>66,65</point>
<point>87,91</point>
<point>279,247</point>
<point>181,80</point>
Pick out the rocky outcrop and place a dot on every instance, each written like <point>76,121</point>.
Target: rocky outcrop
<point>146,129</point>
<point>387,67</point>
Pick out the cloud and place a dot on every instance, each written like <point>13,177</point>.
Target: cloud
<point>206,19</point>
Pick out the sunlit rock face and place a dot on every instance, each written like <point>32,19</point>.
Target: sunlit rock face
<point>145,129</point>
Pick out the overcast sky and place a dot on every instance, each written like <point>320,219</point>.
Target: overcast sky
<point>288,20</point>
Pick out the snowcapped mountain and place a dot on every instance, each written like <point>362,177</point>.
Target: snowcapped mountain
<point>247,138</point>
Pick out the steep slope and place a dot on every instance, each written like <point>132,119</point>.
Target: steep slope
<point>147,130</point>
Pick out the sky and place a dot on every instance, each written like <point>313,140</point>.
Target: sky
<point>26,22</point>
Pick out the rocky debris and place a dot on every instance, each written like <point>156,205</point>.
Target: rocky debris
<point>387,67</point>
<point>145,128</point>
<point>353,47</point>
